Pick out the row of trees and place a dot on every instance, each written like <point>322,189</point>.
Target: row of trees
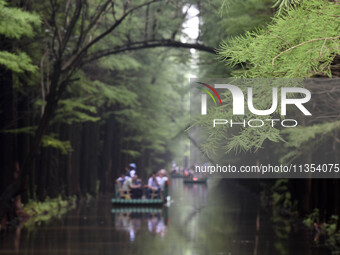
<point>79,102</point>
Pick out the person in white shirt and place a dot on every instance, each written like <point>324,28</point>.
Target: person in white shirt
<point>153,184</point>
<point>162,179</point>
<point>132,167</point>
<point>121,179</point>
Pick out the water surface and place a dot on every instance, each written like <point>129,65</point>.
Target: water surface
<point>218,218</point>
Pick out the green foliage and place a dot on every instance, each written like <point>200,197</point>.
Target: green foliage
<point>241,16</point>
<point>142,91</point>
<point>281,199</point>
<point>15,23</point>
<point>328,228</point>
<point>50,140</point>
<point>120,63</point>
<point>47,210</point>
<point>88,97</point>
<point>111,94</point>
<point>219,22</point>
<point>132,153</point>
<point>149,102</point>
<point>332,225</point>
<point>299,43</point>
<point>300,135</point>
<point>300,140</point>
<point>252,139</point>
<point>88,198</point>
<point>23,130</point>
<point>311,218</point>
<point>75,110</point>
<point>19,62</point>
<point>285,4</point>
<point>333,232</point>
<point>277,199</point>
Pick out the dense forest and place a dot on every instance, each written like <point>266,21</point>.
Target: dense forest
<point>80,95</point>
<point>90,86</point>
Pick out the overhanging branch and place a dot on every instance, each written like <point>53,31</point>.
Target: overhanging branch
<point>77,57</point>
<point>149,44</point>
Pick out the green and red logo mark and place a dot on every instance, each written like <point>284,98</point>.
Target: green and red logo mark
<point>209,93</point>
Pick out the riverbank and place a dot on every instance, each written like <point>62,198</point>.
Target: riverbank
<point>48,209</point>
<point>36,212</point>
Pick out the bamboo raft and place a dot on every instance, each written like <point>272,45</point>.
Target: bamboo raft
<point>136,202</point>
<point>136,210</point>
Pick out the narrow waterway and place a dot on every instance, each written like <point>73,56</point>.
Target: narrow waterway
<point>218,218</point>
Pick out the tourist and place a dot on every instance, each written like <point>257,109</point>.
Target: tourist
<point>132,168</point>
<point>153,185</point>
<point>134,185</point>
<point>121,179</point>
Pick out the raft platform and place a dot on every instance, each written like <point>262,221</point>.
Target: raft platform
<point>136,202</point>
<point>136,210</point>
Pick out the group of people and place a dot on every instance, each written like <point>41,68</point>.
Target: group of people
<point>129,181</point>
